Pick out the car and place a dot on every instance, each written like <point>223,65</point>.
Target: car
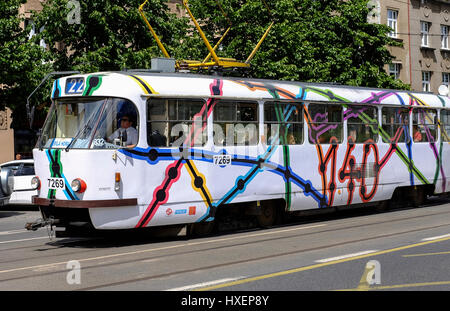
<point>21,173</point>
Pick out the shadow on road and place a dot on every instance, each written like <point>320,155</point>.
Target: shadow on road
<point>133,237</point>
<point>5,214</point>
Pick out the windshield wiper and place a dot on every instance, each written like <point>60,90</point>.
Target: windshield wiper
<point>87,128</point>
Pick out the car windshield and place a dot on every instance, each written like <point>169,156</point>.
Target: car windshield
<point>90,124</point>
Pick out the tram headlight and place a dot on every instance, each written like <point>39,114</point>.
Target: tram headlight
<point>78,185</point>
<point>35,183</point>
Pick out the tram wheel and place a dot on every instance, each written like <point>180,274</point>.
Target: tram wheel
<point>383,206</point>
<point>268,215</point>
<point>201,228</point>
<point>419,197</point>
<point>165,232</point>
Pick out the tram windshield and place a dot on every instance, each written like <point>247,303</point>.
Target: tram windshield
<point>92,123</point>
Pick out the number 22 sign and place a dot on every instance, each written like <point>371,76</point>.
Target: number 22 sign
<point>74,85</point>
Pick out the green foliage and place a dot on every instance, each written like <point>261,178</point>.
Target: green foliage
<point>314,41</point>
<point>111,34</point>
<point>22,61</point>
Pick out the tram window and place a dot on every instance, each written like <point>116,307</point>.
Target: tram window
<point>362,123</point>
<point>120,117</point>
<point>235,123</point>
<point>325,123</point>
<point>283,123</point>
<point>395,125</point>
<point>424,125</point>
<point>173,122</point>
<point>91,123</point>
<point>445,125</point>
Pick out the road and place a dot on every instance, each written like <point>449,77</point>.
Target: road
<point>408,249</point>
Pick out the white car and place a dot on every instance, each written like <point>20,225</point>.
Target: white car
<point>22,172</point>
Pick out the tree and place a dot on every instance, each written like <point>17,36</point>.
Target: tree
<point>109,35</point>
<point>21,61</point>
<point>311,41</point>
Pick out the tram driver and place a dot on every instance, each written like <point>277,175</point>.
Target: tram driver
<point>126,131</point>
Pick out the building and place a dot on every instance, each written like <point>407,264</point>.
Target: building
<point>423,28</point>
<point>6,137</point>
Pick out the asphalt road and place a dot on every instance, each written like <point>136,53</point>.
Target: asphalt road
<point>362,250</point>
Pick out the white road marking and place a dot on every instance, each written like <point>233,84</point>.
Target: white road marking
<point>204,284</point>
<point>159,248</point>
<point>22,240</point>
<point>346,256</point>
<point>436,237</point>
<point>13,232</point>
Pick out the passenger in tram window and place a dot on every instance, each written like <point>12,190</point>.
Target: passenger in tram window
<point>157,139</point>
<point>290,139</point>
<point>276,135</point>
<point>325,138</point>
<point>127,131</point>
<point>322,140</point>
<point>417,135</point>
<point>352,135</point>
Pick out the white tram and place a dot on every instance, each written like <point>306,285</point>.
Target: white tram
<point>198,145</point>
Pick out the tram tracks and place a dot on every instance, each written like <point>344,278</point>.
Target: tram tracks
<point>59,267</point>
<point>78,243</point>
<point>209,267</point>
<point>251,260</point>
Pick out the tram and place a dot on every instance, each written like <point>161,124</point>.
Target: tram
<point>141,149</point>
<point>124,150</point>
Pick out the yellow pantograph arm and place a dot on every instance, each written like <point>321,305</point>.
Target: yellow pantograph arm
<point>223,36</point>
<point>202,34</point>
<point>160,45</point>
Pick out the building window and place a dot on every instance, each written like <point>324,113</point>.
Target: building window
<point>444,36</point>
<point>283,123</point>
<point>425,32</point>
<point>392,17</point>
<point>394,70</point>
<point>446,79</point>
<point>34,32</point>
<point>426,78</point>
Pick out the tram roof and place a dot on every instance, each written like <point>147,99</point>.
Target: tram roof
<point>148,83</point>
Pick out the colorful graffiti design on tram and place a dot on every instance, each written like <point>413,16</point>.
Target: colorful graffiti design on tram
<point>316,169</point>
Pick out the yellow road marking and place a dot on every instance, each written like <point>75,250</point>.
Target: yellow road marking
<point>426,254</point>
<point>363,284</point>
<point>271,275</point>
<point>399,286</point>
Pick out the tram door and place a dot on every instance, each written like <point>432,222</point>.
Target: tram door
<point>235,145</point>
